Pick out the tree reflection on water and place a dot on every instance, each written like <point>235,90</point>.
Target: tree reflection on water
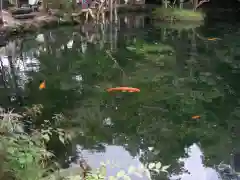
<point>180,75</point>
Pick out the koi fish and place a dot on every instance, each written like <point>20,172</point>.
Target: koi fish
<point>195,117</point>
<point>42,85</point>
<point>123,89</point>
<point>213,39</point>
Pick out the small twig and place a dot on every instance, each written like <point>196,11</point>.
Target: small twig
<point>200,37</point>
<point>114,60</point>
<point>174,2</point>
<point>200,3</point>
<point>154,108</point>
<point>91,13</point>
<point>109,54</point>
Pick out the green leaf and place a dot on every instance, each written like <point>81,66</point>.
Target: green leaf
<point>22,160</point>
<point>151,165</point>
<point>112,178</point>
<point>156,152</point>
<point>138,174</point>
<point>150,148</point>
<point>158,165</point>
<point>121,174</point>
<point>103,170</point>
<point>61,138</point>
<point>107,162</point>
<point>147,173</point>
<point>29,158</point>
<point>131,169</point>
<point>164,168</point>
<point>126,177</point>
<point>11,150</point>
<point>46,137</point>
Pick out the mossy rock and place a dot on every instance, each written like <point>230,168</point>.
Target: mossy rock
<point>176,14</point>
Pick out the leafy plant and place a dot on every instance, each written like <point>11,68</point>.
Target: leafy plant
<point>142,170</point>
<point>24,155</point>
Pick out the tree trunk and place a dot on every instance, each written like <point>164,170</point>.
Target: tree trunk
<point>74,4</point>
<point>44,6</point>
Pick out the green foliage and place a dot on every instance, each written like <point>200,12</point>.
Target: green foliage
<point>100,173</point>
<point>25,155</point>
<point>135,171</point>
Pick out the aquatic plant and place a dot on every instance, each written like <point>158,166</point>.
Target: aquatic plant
<point>100,173</point>
<point>175,14</point>
<point>24,156</point>
<point>142,170</point>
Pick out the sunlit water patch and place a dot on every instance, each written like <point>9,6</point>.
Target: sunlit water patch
<point>194,167</point>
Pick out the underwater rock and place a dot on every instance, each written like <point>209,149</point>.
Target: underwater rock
<point>226,172</point>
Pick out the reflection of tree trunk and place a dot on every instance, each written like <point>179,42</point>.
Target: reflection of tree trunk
<point>1,6</point>
<point>194,46</point>
<point>45,5</point>
<point>3,74</point>
<point>181,4</point>
<point>235,161</point>
<point>12,48</point>
<point>74,4</point>
<point>163,33</point>
<point>46,43</point>
<point>102,35</point>
<point>21,51</point>
<point>195,3</point>
<point>76,43</point>
<point>180,51</point>
<point>115,37</point>
<point>111,36</point>
<point>14,80</point>
<point>4,79</point>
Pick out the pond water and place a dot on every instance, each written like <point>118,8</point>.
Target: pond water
<point>179,71</point>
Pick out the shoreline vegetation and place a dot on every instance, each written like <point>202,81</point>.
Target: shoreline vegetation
<point>178,15</point>
<point>58,18</point>
<point>53,19</point>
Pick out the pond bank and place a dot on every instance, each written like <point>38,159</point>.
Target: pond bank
<point>56,18</point>
<point>33,25</point>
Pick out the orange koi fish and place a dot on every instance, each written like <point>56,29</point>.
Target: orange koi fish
<point>42,85</point>
<point>123,89</point>
<point>195,117</point>
<point>213,39</point>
